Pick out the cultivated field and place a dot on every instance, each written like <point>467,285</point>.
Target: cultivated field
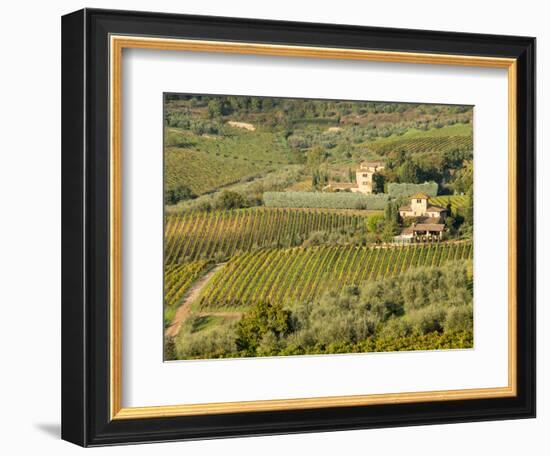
<point>285,275</point>
<point>195,235</point>
<point>279,240</point>
<point>457,202</point>
<point>178,278</point>
<point>424,144</point>
<point>205,163</point>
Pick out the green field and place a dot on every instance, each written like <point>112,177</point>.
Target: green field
<point>458,129</point>
<point>284,275</point>
<point>423,144</point>
<point>207,235</point>
<point>203,173</point>
<point>206,163</point>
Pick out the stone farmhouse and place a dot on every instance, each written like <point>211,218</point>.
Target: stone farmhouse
<point>419,207</point>
<point>429,220</point>
<point>363,177</point>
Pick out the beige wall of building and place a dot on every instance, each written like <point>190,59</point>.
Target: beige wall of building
<point>364,175</point>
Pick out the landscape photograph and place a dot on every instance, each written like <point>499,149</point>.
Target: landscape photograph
<point>316,227</point>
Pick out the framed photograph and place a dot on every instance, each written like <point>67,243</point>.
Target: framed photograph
<point>276,227</point>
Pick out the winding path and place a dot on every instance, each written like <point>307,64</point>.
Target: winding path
<point>185,308</point>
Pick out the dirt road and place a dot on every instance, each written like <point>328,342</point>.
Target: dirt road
<point>185,308</point>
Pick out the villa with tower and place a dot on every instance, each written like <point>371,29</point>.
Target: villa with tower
<point>363,179</point>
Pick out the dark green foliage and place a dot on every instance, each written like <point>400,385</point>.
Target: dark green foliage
<point>409,172</point>
<point>464,178</point>
<point>215,108</point>
<point>391,221</point>
<point>177,194</point>
<point>378,182</point>
<point>391,213</point>
<point>319,178</point>
<point>263,321</point>
<point>230,200</point>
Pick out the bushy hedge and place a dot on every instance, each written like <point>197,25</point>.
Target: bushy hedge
<point>405,190</point>
<point>341,200</point>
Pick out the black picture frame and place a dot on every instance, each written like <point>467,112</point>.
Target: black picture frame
<point>85,225</point>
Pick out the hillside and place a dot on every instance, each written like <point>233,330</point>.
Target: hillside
<point>206,136</point>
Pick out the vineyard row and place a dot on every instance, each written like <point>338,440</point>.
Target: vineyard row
<point>284,275</point>
<point>205,235</point>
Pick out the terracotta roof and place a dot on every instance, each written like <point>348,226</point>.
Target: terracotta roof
<point>435,209</point>
<point>405,208</point>
<point>420,195</point>
<point>428,220</point>
<point>428,227</point>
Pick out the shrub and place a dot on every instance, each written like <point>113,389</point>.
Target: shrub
<point>427,320</point>
<point>396,328</point>
<point>177,194</point>
<point>230,200</point>
<point>459,319</point>
<point>262,318</point>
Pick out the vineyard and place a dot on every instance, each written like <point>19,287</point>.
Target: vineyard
<point>205,163</point>
<point>438,144</point>
<point>456,129</point>
<point>202,235</point>
<point>177,280</point>
<point>298,274</point>
<point>203,173</point>
<point>458,202</point>
<point>260,261</point>
<point>301,186</point>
